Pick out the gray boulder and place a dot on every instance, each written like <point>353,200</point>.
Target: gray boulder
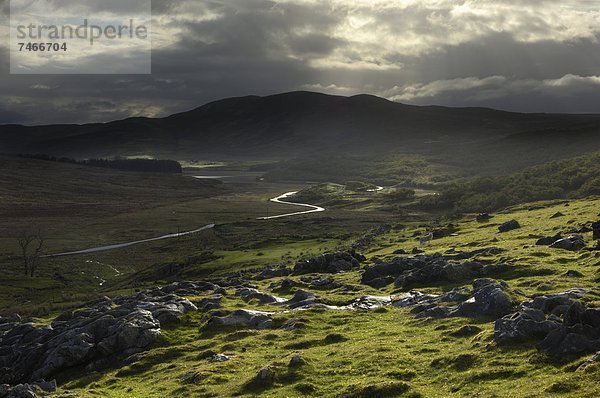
<point>329,263</point>
<point>248,294</point>
<point>246,318</point>
<point>572,243</point>
<point>509,226</point>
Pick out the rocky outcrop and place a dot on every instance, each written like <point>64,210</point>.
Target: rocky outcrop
<point>33,390</point>
<point>488,299</point>
<point>330,263</point>
<point>560,323</point>
<point>248,294</point>
<point>571,243</point>
<point>246,318</point>
<point>408,272</point>
<point>509,226</point>
<point>107,328</point>
<point>321,282</point>
<point>548,240</point>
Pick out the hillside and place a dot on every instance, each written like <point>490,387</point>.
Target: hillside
<point>301,123</point>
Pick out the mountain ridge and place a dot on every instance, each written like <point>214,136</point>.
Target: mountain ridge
<point>290,124</point>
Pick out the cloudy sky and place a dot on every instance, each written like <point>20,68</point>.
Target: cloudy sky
<point>532,56</point>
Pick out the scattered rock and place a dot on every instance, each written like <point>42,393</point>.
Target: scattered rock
<point>330,263</point>
<point>264,379</point>
<point>321,282</point>
<point>210,303</point>
<point>572,243</point>
<point>26,390</point>
<point>219,358</point>
<point>274,272</point>
<point>549,240</point>
<point>106,329</point>
<point>302,299</point>
<point>248,294</point>
<point>407,272</point>
<point>557,215</point>
<point>247,318</point>
<point>576,333</point>
<point>509,226</point>
<point>483,217</point>
<point>296,361</point>
<point>284,284</point>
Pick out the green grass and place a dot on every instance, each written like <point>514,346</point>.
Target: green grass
<point>378,353</point>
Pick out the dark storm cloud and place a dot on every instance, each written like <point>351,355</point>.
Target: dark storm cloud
<point>530,56</point>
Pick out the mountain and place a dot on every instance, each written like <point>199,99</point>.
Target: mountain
<point>299,123</point>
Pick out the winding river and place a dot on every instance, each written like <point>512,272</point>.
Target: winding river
<point>279,199</point>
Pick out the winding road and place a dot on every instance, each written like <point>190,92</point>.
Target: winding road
<point>137,242</point>
<point>313,209</point>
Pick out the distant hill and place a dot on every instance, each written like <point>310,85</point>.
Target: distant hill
<point>300,123</point>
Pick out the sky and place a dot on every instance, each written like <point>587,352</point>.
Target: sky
<point>526,56</point>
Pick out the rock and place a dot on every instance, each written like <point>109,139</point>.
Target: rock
<point>293,324</point>
<point>219,358</point>
<point>413,271</point>
<point>578,332</point>
<point>22,391</point>
<point>274,272</point>
<point>210,303</point>
<point>509,226</point>
<point>400,251</point>
<point>547,241</point>
<point>330,263</point>
<point>248,294</point>
<point>284,284</point>
<point>296,361</point>
<point>191,378</point>
<point>248,318</point>
<point>103,331</point>
<point>321,282</point>
<point>488,300</point>
<point>483,217</point>
<point>572,243</point>
<point>570,341</point>
<point>265,378</point>
<point>302,299</point>
<point>596,230</point>
<point>366,303</point>
<point>574,274</point>
<point>557,215</point>
<point>47,386</point>
<point>528,325</point>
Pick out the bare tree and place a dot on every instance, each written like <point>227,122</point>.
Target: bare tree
<point>31,245</point>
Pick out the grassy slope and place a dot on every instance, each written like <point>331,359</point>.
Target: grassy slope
<point>387,349</point>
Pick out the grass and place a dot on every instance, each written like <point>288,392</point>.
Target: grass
<point>356,354</point>
<point>378,353</point>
